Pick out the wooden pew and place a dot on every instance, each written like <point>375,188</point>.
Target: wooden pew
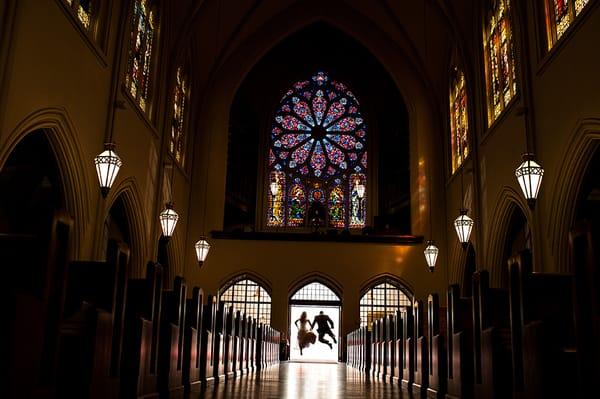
<point>91,332</point>
<point>375,348</point>
<point>141,340</point>
<point>208,359</point>
<point>408,365</point>
<point>260,337</point>
<point>238,344</point>
<point>383,347</point>
<point>459,344</point>
<point>219,343</point>
<point>390,351</point>
<point>252,338</point>
<point>228,336</point>
<point>366,350</point>
<point>491,339</point>
<point>36,290</point>
<point>172,334</point>
<point>421,372</point>
<point>399,347</point>
<point>436,349</point>
<point>584,242</point>
<point>542,331</point>
<point>192,346</point>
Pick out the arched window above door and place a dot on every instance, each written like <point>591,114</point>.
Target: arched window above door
<point>317,157</point>
<point>315,291</point>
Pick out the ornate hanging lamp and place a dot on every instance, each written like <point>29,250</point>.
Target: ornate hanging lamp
<point>202,248</point>
<point>108,165</point>
<point>168,220</point>
<point>431,253</point>
<point>529,175</point>
<point>168,217</point>
<point>463,225</point>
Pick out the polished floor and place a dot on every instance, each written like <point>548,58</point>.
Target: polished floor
<point>292,380</point>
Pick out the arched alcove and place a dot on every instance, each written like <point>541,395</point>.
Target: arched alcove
<point>35,233</point>
<point>31,185</point>
<point>116,225</point>
<point>587,205</point>
<point>252,118</point>
<point>517,239</point>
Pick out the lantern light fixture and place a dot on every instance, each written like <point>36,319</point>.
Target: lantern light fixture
<point>529,175</point>
<point>463,225</point>
<point>168,220</point>
<point>202,248</point>
<point>108,165</point>
<point>431,253</point>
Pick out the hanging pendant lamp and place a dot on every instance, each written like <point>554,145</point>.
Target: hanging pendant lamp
<point>168,220</point>
<point>202,248</point>
<point>463,225</point>
<point>529,175</point>
<point>108,165</point>
<point>431,253</point>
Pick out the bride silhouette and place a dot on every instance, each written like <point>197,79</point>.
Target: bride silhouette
<point>305,336</point>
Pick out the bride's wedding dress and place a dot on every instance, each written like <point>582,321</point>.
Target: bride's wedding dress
<point>305,336</point>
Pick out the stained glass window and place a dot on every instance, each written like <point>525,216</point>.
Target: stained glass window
<point>249,297</point>
<point>559,16</point>
<point>143,26</point>
<point>459,119</point>
<point>180,96</point>
<point>381,300</point>
<point>499,58</point>
<point>84,9</point>
<point>317,148</point>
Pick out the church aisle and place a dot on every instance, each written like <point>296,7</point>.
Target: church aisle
<point>304,381</point>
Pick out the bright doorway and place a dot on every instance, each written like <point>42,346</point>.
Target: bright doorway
<point>312,299</point>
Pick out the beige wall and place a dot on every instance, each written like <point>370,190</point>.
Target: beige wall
<point>53,76</point>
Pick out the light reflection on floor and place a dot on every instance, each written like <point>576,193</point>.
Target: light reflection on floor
<point>304,380</point>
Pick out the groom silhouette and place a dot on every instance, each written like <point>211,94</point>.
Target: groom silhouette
<point>324,326</point>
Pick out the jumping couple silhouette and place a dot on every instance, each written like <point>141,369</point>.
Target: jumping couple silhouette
<point>307,337</point>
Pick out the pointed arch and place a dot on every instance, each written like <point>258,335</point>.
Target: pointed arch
<point>249,274</point>
<point>128,192</point>
<point>384,295</point>
<point>509,202</point>
<point>396,56</point>
<point>316,277</point>
<point>565,187</point>
<point>75,174</point>
<point>246,294</point>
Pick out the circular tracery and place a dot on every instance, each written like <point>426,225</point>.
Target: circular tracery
<point>318,155</point>
<point>319,131</point>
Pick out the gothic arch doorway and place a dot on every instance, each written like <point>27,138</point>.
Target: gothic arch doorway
<point>313,298</point>
<point>33,246</point>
